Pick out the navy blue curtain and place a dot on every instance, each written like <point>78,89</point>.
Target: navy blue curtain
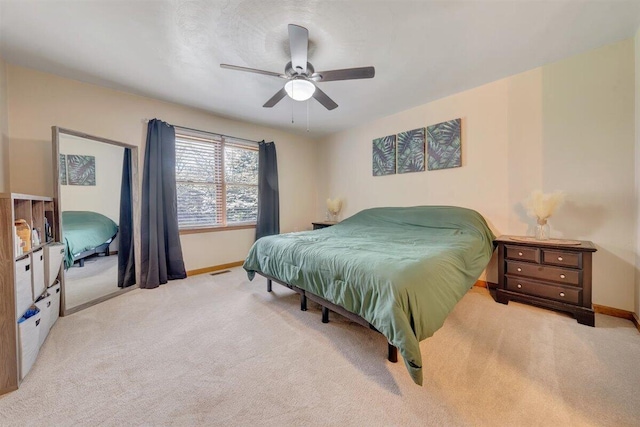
<point>268,195</point>
<point>126,260</point>
<point>161,252</point>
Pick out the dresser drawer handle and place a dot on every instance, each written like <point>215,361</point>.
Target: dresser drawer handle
<point>559,258</point>
<point>519,269</point>
<point>561,294</point>
<point>519,286</point>
<point>562,276</point>
<point>520,253</point>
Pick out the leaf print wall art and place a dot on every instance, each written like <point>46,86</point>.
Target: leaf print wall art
<point>444,145</point>
<point>384,156</point>
<point>81,170</point>
<point>63,169</point>
<point>411,151</point>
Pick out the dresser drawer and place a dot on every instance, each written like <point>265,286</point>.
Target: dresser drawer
<point>562,258</point>
<point>558,293</point>
<point>522,252</point>
<point>545,272</point>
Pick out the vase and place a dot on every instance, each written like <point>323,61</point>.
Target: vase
<point>542,230</point>
<point>333,217</point>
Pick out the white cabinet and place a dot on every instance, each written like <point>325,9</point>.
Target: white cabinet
<point>29,342</point>
<point>37,273</point>
<point>44,305</point>
<point>54,313</point>
<point>23,289</point>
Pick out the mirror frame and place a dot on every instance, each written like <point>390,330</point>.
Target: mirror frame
<point>56,131</point>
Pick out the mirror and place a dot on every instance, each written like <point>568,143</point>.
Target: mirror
<point>96,183</point>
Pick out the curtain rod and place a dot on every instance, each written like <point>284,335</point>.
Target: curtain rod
<point>212,133</point>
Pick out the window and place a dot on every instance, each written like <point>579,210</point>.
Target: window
<point>216,180</point>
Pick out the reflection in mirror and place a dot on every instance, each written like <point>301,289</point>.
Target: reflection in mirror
<point>94,198</point>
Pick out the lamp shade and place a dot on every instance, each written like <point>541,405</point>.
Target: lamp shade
<point>299,89</point>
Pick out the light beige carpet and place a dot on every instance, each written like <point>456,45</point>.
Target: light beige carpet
<point>98,277</point>
<point>219,350</point>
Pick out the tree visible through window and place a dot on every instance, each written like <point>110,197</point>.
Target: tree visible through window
<point>217,181</point>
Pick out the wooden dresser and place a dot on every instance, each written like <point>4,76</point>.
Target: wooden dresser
<point>547,275</point>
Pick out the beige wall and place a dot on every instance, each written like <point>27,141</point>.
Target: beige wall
<point>566,126</point>
<point>38,101</point>
<point>589,125</point>
<point>637,159</point>
<point>104,197</point>
<point>4,129</point>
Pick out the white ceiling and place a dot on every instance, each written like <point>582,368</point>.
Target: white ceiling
<point>422,50</point>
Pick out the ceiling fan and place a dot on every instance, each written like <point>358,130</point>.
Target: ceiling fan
<point>301,76</point>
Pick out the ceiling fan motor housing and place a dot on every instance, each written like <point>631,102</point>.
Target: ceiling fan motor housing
<point>291,72</point>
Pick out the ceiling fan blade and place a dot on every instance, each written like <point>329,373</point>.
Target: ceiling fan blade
<point>275,98</point>
<point>346,74</point>
<point>299,46</point>
<point>324,99</point>
<point>252,70</point>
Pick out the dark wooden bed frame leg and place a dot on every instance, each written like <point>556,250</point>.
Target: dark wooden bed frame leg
<point>325,315</point>
<point>268,285</point>
<point>303,302</point>
<point>393,354</point>
<point>81,262</point>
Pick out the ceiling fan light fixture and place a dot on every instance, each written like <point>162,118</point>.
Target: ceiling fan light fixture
<point>301,76</point>
<point>299,89</point>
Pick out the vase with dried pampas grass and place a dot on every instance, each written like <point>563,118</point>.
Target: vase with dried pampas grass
<point>541,206</point>
<point>333,209</point>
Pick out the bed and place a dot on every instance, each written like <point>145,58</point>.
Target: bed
<point>400,270</point>
<point>85,234</point>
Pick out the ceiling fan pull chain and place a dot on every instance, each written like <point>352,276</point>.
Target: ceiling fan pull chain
<point>292,101</point>
<point>307,115</point>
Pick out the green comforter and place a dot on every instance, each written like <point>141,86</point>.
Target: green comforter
<point>83,231</point>
<point>401,269</point>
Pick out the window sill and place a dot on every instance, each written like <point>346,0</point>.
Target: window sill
<point>215,229</point>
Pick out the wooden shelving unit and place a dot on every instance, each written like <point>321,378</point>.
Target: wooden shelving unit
<point>32,209</point>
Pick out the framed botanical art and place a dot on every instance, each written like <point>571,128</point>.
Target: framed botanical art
<point>63,169</point>
<point>444,145</point>
<point>384,156</point>
<point>81,170</point>
<point>410,151</point>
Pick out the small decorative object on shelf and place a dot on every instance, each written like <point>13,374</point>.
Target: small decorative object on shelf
<point>541,206</point>
<point>333,209</point>
<point>35,237</point>
<point>24,232</point>
<point>47,231</point>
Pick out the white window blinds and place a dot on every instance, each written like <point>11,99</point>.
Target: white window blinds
<point>217,181</point>
<point>241,179</point>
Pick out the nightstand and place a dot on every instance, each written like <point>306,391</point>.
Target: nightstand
<point>550,275</point>
<point>323,224</point>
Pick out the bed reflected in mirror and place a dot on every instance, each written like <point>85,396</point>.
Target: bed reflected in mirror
<point>94,202</point>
